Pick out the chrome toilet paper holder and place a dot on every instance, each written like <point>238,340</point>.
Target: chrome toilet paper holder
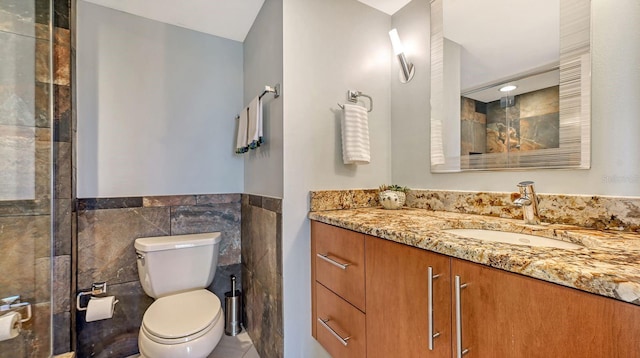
<point>13,303</point>
<point>97,288</point>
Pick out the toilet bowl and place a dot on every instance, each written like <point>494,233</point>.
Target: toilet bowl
<point>185,320</point>
<point>186,324</point>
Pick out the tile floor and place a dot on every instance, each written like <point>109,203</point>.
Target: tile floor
<point>239,346</point>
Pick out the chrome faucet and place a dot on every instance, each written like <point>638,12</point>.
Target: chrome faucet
<point>528,201</point>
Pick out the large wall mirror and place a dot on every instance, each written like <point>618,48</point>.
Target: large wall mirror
<point>510,84</point>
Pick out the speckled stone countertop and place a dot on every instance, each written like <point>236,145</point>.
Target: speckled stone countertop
<point>608,265</point>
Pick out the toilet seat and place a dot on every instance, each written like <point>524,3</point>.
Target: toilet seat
<point>181,317</point>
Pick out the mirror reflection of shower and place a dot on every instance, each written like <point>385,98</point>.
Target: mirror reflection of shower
<point>521,115</point>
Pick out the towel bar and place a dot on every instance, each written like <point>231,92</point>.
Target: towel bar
<point>271,89</point>
<point>268,89</point>
<point>352,96</point>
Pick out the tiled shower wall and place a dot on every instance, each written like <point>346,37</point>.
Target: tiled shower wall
<point>25,125</point>
<point>25,139</point>
<point>533,118</point>
<point>107,229</point>
<point>262,273</point>
<point>64,189</point>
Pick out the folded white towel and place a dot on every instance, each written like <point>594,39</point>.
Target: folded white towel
<point>241,138</point>
<point>355,135</point>
<point>254,137</point>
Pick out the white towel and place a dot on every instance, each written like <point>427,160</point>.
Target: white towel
<point>437,145</point>
<point>355,135</point>
<point>241,138</point>
<point>254,138</point>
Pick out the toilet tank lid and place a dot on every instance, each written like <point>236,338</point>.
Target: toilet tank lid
<point>159,243</point>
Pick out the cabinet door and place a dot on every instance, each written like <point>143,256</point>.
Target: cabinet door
<point>397,301</point>
<point>509,315</point>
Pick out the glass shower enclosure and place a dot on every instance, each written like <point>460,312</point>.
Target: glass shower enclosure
<point>26,184</point>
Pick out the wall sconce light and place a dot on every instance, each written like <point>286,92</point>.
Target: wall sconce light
<point>407,69</point>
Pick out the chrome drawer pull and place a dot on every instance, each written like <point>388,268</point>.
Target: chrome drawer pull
<point>333,262</point>
<point>344,341</point>
<point>430,279</point>
<point>459,351</point>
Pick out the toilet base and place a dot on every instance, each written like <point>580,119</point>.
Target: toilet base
<point>200,347</point>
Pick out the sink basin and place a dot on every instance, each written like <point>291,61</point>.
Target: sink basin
<point>512,238</point>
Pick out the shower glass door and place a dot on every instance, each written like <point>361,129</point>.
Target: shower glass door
<point>25,175</point>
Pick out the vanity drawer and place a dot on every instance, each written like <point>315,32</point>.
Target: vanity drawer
<point>340,326</point>
<point>339,262</point>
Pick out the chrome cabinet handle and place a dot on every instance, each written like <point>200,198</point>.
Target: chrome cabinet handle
<point>430,278</point>
<point>323,322</point>
<point>333,262</point>
<point>459,351</point>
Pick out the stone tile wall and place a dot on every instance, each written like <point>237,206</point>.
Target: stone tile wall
<point>107,229</point>
<point>262,273</point>
<point>534,121</point>
<point>25,135</point>
<point>63,188</point>
<point>24,271</point>
<point>473,124</point>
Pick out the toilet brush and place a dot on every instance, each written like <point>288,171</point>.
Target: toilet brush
<point>233,305</point>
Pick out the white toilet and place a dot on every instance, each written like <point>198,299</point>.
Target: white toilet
<point>185,320</point>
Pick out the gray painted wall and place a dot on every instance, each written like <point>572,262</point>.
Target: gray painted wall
<point>330,46</point>
<point>262,67</point>
<point>410,101</point>
<point>156,107</point>
<point>615,158</point>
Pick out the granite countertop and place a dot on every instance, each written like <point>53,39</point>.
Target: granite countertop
<point>608,265</point>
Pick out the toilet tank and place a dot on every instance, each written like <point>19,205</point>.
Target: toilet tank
<point>173,264</point>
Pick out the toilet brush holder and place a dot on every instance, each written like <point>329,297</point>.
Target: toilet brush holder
<point>233,310</point>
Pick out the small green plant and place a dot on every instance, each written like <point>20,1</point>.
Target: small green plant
<point>385,187</point>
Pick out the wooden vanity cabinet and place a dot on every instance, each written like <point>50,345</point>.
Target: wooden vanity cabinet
<point>509,315</point>
<point>397,300</point>
<point>502,314</point>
